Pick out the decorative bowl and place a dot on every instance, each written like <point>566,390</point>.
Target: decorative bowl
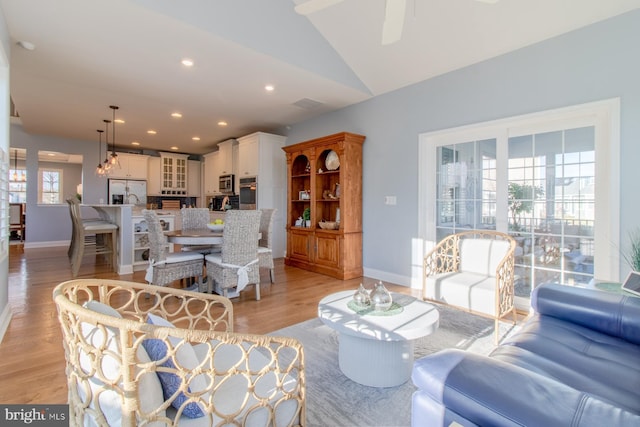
<point>215,227</point>
<point>329,225</point>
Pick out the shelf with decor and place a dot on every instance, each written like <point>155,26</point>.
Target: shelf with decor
<point>325,178</point>
<point>141,239</point>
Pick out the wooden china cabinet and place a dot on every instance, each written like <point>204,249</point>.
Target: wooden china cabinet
<point>324,177</point>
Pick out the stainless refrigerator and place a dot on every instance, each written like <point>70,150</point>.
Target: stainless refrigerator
<point>127,191</point>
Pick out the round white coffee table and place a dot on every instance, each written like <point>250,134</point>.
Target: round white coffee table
<point>376,349</point>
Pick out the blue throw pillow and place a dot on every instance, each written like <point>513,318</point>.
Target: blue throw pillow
<point>157,350</point>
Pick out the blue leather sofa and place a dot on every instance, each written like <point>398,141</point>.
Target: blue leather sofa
<point>575,362</point>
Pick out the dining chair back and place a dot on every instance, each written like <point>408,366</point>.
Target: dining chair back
<point>237,265</point>
<point>265,251</point>
<point>98,237</point>
<point>166,267</point>
<point>193,219</point>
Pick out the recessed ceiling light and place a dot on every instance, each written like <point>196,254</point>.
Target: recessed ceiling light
<point>176,115</point>
<point>119,121</point>
<point>135,143</point>
<point>196,138</point>
<point>151,132</point>
<point>174,148</point>
<point>269,88</point>
<point>187,62</point>
<point>222,123</point>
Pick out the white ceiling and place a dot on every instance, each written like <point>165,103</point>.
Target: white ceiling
<point>92,54</point>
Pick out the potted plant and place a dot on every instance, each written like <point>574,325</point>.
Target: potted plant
<point>632,257</point>
<point>306,216</point>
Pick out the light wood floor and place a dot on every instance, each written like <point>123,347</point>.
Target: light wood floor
<point>31,353</point>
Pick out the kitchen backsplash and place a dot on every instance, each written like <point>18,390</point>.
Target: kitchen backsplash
<point>184,201</point>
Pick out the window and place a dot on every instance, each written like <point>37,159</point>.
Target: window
<point>534,177</point>
<point>50,186</point>
<point>17,186</point>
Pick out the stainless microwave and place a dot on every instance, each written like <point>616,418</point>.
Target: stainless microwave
<point>226,184</point>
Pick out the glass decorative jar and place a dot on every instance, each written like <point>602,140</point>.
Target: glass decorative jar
<point>380,298</point>
<point>361,297</point>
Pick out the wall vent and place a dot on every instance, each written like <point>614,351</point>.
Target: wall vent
<point>307,104</point>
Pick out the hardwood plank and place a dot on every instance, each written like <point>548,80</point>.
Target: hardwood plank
<point>31,353</point>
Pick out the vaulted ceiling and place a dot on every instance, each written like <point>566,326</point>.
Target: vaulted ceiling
<point>88,55</point>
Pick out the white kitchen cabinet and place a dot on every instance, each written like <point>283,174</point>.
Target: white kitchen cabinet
<point>173,174</point>
<point>193,178</point>
<point>141,239</point>
<point>154,186</point>
<point>228,152</point>
<point>248,155</point>
<point>211,173</point>
<point>260,154</point>
<point>132,166</point>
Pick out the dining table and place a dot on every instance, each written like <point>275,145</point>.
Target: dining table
<point>197,236</point>
<point>194,236</point>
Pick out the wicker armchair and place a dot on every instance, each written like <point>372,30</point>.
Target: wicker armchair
<point>265,252</point>
<point>473,270</point>
<point>165,267</point>
<point>195,219</point>
<point>238,264</point>
<point>108,327</point>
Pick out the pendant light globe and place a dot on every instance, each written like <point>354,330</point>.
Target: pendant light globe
<point>99,169</point>
<point>113,160</point>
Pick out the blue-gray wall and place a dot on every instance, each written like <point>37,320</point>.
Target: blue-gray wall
<point>594,63</point>
<point>51,224</point>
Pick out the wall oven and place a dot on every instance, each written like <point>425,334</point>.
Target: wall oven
<point>248,192</point>
<point>226,184</point>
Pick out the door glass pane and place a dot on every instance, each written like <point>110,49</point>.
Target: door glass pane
<point>466,187</point>
<point>552,207</point>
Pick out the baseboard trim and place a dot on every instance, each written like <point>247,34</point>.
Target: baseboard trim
<point>5,319</point>
<point>385,276</point>
<point>50,244</point>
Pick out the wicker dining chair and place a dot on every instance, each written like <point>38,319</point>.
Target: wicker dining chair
<point>166,267</point>
<point>172,359</point>
<point>196,219</point>
<point>238,264</point>
<point>265,251</point>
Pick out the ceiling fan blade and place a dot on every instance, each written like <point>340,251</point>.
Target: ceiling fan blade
<point>393,21</point>
<point>313,6</point>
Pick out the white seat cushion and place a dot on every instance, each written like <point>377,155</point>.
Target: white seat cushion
<point>468,290</point>
<point>482,256</point>
<point>183,256</point>
<point>263,250</point>
<point>229,397</point>
<point>149,388</point>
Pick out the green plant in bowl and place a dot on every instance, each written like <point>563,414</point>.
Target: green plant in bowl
<point>632,257</point>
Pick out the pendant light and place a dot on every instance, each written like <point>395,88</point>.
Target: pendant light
<point>115,162</point>
<point>107,164</point>
<point>14,177</point>
<point>99,169</point>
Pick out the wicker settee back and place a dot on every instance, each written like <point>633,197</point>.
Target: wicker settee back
<point>248,379</point>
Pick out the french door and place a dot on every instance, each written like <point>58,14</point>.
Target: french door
<point>548,179</point>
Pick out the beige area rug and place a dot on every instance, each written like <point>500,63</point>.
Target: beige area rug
<point>334,400</point>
